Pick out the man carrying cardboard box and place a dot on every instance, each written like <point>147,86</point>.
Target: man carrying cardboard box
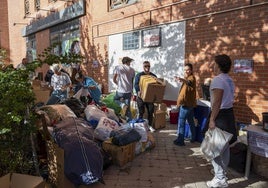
<point>141,104</point>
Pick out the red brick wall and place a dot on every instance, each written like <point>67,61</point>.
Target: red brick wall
<point>242,34</point>
<point>232,27</point>
<point>4,29</point>
<point>42,42</point>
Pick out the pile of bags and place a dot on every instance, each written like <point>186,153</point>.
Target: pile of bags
<point>80,131</point>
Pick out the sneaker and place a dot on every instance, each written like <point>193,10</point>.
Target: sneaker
<point>151,129</point>
<point>178,143</point>
<point>215,182</point>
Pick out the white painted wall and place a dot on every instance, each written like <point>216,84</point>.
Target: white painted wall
<point>166,60</point>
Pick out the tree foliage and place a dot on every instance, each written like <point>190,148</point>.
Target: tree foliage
<point>17,117</point>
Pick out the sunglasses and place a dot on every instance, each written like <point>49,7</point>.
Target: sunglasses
<point>146,66</point>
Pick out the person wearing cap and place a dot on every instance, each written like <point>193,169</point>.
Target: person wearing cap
<point>123,78</point>
<point>140,103</point>
<point>60,83</point>
<point>90,84</point>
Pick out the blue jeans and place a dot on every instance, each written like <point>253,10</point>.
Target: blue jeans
<point>56,97</point>
<point>121,99</point>
<point>186,113</point>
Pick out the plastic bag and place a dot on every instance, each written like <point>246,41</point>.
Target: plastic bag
<point>83,92</point>
<point>92,112</point>
<point>105,126</point>
<point>122,137</point>
<point>214,142</point>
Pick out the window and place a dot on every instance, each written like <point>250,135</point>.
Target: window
<point>26,7</point>
<point>31,48</point>
<point>131,40</point>
<point>66,36</point>
<point>120,3</point>
<point>37,4</point>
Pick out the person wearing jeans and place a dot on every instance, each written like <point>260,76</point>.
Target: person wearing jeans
<point>186,113</point>
<point>186,102</point>
<point>60,82</point>
<point>123,78</point>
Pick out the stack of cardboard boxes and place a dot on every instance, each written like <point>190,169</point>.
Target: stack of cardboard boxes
<point>153,90</point>
<point>41,91</point>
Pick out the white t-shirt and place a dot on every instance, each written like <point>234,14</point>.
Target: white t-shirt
<point>125,76</point>
<point>59,81</point>
<point>224,82</point>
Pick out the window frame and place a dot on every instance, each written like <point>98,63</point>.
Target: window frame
<point>120,3</point>
<point>132,44</point>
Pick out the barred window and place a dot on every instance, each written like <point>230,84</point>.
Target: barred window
<point>37,4</point>
<point>120,3</point>
<point>131,40</point>
<point>26,7</point>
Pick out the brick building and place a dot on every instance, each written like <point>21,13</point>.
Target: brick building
<point>168,33</point>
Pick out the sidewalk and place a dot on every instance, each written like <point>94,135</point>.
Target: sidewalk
<point>171,166</point>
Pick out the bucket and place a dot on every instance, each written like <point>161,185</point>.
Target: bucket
<point>173,114</point>
<point>265,120</point>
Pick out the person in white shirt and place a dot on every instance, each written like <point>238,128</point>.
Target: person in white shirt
<point>123,78</point>
<point>60,83</point>
<point>23,63</point>
<point>222,91</point>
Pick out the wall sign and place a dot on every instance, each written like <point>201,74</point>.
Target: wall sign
<point>151,37</point>
<point>243,65</point>
<point>78,9</point>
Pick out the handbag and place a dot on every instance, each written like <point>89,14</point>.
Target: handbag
<point>214,143</point>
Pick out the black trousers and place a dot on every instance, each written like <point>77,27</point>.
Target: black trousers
<point>225,120</point>
<point>150,109</point>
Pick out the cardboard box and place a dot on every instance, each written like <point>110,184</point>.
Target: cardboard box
<point>41,91</point>
<point>121,155</point>
<point>161,106</point>
<point>56,176</point>
<point>152,89</point>
<point>41,95</point>
<point>14,180</point>
<point>159,119</point>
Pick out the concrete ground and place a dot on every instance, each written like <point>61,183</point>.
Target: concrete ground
<point>171,166</point>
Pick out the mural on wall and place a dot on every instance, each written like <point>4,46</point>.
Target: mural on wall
<point>166,60</point>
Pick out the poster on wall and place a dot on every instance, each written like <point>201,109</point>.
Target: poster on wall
<point>243,65</point>
<point>151,37</point>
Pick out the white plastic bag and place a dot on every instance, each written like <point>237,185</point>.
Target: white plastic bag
<point>214,142</point>
<point>82,92</point>
<point>141,129</point>
<point>105,126</point>
<point>92,112</point>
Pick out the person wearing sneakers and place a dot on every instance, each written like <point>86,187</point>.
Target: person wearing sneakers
<point>123,78</point>
<point>186,102</point>
<point>222,116</point>
<point>140,103</point>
